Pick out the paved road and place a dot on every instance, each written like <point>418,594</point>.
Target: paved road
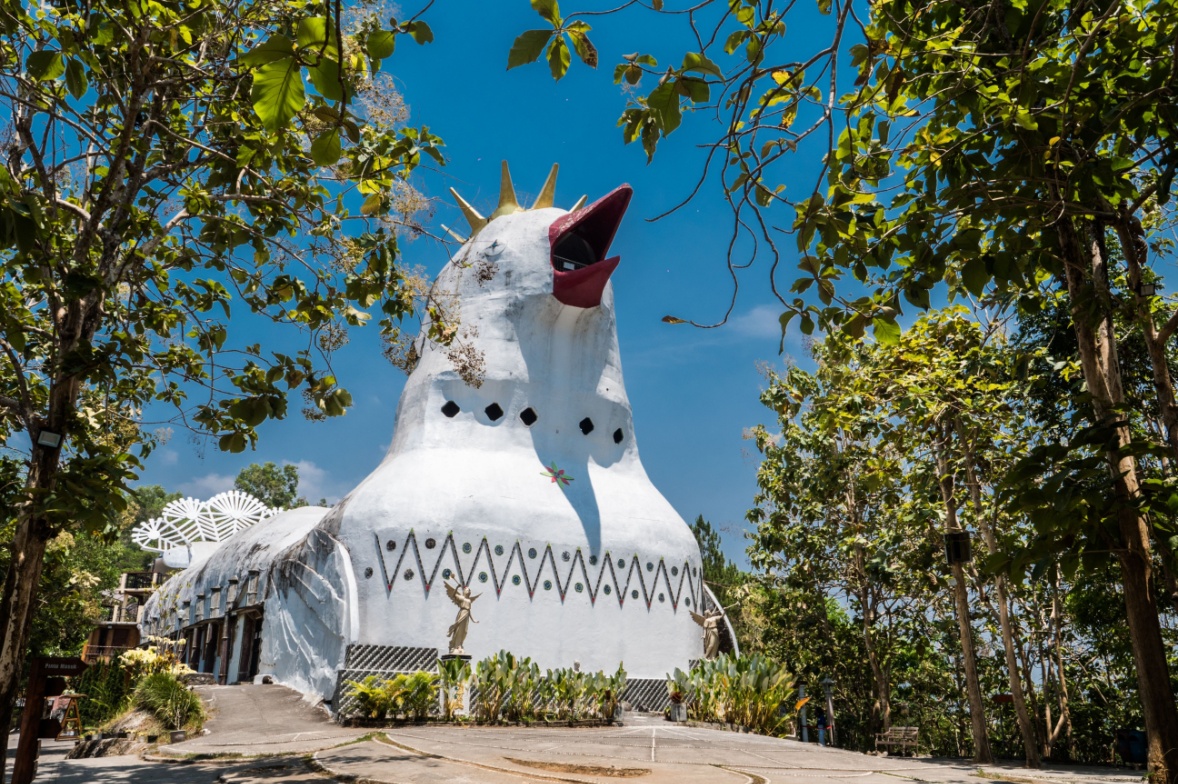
<point>274,724</point>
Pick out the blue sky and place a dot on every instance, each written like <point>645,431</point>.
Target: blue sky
<point>693,391</point>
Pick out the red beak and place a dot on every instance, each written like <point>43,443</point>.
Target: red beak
<point>579,243</point>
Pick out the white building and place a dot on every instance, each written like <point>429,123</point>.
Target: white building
<point>527,487</point>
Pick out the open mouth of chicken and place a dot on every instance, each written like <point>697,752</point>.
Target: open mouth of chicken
<point>580,242</point>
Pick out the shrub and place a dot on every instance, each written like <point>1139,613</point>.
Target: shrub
<point>454,674</point>
<point>745,690</point>
<point>412,695</point>
<point>107,686</point>
<point>173,703</point>
<point>506,688</point>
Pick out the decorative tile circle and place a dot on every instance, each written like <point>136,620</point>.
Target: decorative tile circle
<point>565,556</point>
<point>621,563</point>
<point>608,590</point>
<point>593,560</point>
<point>431,543</point>
<point>662,598</point>
<point>466,547</point>
<point>515,579</point>
<point>547,585</point>
<point>687,602</point>
<point>446,573</point>
<point>498,549</point>
<point>649,566</point>
<point>634,594</point>
<point>532,552</point>
<point>391,545</point>
<point>579,588</point>
<point>408,574</point>
<point>482,577</point>
<point>674,571</point>
<point>368,572</point>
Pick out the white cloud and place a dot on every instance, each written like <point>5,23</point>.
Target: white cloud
<point>207,486</point>
<point>760,322</point>
<point>169,457</point>
<point>315,482</point>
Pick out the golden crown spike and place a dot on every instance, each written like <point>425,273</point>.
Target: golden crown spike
<point>508,202</point>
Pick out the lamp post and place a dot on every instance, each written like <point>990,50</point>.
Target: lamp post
<point>827,686</point>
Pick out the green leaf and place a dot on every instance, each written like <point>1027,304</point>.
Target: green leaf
<point>325,150</point>
<point>75,78</point>
<point>234,442</point>
<point>581,44</point>
<point>275,48</point>
<point>45,65</point>
<point>695,89</point>
<point>419,31</point>
<point>314,32</point>
<point>975,276</point>
<point>664,100</point>
<point>558,57</point>
<point>380,44</point>
<point>698,61</point>
<point>278,92</point>
<point>372,204</point>
<point>887,331</point>
<point>549,10</point>
<point>527,47</point>
<point>326,78</point>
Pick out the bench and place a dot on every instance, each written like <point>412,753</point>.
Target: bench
<point>898,737</point>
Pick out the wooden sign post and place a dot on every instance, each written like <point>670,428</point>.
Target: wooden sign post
<point>25,765</point>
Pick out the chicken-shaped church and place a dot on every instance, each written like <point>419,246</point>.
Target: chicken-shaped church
<point>523,496</point>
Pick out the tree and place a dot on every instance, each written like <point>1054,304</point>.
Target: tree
<point>170,170</point>
<point>277,488</point>
<point>725,578</point>
<point>982,148</point>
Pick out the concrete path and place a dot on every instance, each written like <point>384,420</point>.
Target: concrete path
<point>54,768</point>
<point>278,732</point>
<point>650,750</point>
<point>251,720</point>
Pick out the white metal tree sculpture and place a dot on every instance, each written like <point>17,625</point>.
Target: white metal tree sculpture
<point>188,521</point>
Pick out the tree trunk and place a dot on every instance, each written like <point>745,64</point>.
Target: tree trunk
<point>1087,281</point>
<point>1065,712</point>
<point>33,533</point>
<point>1025,725</point>
<point>977,710</point>
<point>881,718</point>
<point>881,710</point>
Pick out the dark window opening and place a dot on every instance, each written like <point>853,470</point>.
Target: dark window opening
<point>451,409</point>
<point>586,425</point>
<point>528,417</point>
<point>573,252</point>
<point>493,412</point>
<point>618,436</point>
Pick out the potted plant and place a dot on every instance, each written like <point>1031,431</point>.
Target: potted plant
<point>678,708</point>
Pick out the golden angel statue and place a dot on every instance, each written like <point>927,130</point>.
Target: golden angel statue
<point>710,621</point>
<point>460,595</point>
